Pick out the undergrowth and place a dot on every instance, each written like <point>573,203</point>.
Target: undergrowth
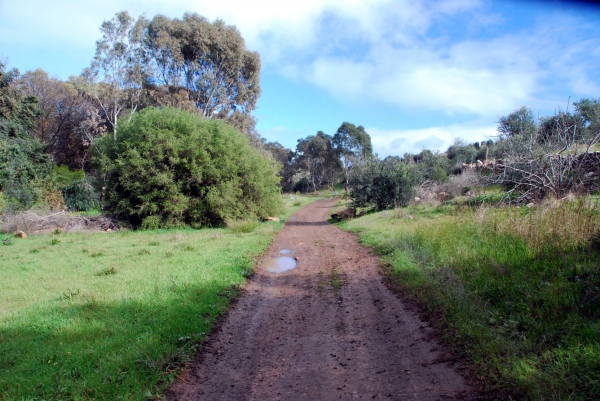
<point>517,288</point>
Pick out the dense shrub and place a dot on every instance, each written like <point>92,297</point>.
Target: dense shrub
<point>23,169</point>
<point>23,164</point>
<point>429,166</point>
<point>169,168</point>
<point>383,183</point>
<point>80,196</point>
<point>62,176</point>
<point>302,185</point>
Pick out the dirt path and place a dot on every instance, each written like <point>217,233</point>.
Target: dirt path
<point>327,330</point>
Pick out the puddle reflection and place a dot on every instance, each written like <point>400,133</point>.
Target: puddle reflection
<point>284,251</point>
<point>278,265</point>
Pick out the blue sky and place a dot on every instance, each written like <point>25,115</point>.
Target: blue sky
<point>415,74</point>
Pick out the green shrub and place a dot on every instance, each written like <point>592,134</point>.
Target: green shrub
<point>382,183</point>
<point>24,166</point>
<point>62,176</point>
<point>80,196</point>
<point>151,223</point>
<point>177,169</point>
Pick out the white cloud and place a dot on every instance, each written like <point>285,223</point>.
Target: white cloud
<point>426,55</point>
<point>479,77</point>
<point>397,142</point>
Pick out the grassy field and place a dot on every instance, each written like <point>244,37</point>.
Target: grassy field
<point>113,316</point>
<point>518,289</point>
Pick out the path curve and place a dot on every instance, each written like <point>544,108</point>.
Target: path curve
<point>327,330</point>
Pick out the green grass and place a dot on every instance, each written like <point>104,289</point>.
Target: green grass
<point>242,226</point>
<point>517,289</point>
<point>113,316</point>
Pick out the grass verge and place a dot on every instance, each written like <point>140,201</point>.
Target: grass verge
<point>114,316</point>
<point>517,289</point>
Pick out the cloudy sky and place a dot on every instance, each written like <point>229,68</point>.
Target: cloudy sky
<point>416,74</point>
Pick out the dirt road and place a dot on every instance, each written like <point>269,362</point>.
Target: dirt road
<point>327,330</point>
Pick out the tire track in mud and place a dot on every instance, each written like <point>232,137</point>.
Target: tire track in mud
<point>329,329</point>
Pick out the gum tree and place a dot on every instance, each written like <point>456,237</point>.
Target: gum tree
<point>353,145</point>
<point>209,61</point>
<point>118,62</point>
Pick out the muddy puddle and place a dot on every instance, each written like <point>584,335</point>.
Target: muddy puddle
<point>278,265</point>
<point>284,251</point>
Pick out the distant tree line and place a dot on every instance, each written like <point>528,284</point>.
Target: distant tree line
<point>321,160</point>
<point>530,159</point>
<point>77,142</point>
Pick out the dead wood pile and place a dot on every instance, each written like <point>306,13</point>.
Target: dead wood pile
<point>32,223</point>
<point>557,175</point>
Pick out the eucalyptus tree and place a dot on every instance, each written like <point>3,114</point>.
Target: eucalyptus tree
<point>354,145</point>
<point>207,60</point>
<point>287,159</point>
<point>118,61</point>
<point>317,155</point>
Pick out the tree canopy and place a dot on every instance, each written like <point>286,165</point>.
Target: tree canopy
<point>207,60</point>
<point>353,144</point>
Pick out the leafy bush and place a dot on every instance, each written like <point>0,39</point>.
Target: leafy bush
<point>169,168</point>
<point>23,168</point>
<point>80,196</point>
<point>23,164</point>
<point>63,176</point>
<point>383,183</point>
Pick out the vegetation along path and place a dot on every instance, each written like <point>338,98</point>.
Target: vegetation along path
<point>327,329</point>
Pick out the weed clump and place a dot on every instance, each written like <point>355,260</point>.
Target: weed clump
<point>109,271</point>
<point>242,226</point>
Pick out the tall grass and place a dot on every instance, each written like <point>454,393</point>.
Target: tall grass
<point>518,289</point>
<point>114,316</point>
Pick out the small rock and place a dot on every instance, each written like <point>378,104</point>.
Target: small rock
<point>20,234</point>
<point>272,219</point>
<point>530,205</point>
